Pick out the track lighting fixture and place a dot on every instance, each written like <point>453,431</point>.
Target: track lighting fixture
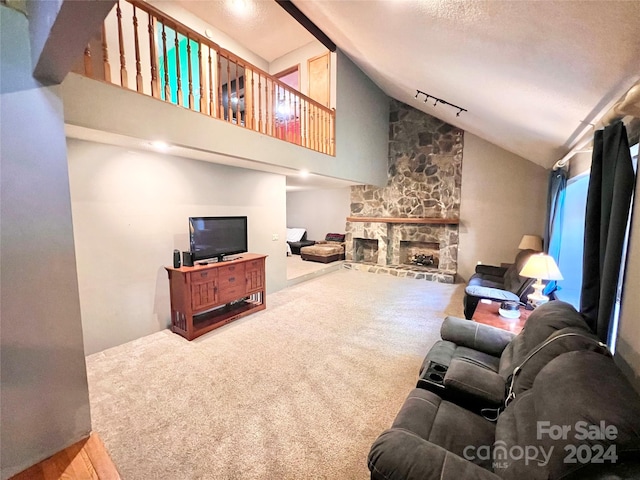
<point>437,100</point>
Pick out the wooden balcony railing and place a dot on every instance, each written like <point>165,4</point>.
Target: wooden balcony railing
<point>180,66</point>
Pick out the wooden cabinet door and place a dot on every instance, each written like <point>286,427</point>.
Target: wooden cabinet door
<point>204,290</point>
<point>255,275</point>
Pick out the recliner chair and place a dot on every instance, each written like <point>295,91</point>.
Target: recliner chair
<point>474,364</point>
<point>498,283</point>
<point>432,438</point>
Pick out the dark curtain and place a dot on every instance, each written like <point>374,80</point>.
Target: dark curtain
<point>555,214</point>
<point>608,201</point>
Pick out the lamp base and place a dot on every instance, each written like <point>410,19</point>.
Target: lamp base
<point>537,298</point>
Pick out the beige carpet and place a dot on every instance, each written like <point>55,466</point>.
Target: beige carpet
<point>298,391</point>
<point>296,267</point>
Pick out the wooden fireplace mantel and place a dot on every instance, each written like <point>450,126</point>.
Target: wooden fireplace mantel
<point>418,220</point>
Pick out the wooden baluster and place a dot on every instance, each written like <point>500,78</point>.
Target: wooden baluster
<point>211,102</point>
<point>274,103</point>
<point>278,111</point>
<point>253,102</point>
<point>287,118</point>
<point>260,123</point>
<point>123,67</point>
<point>153,56</point>
<point>321,131</point>
<point>282,107</point>
<point>229,107</point>
<point>312,130</point>
<point>316,128</point>
<point>326,131</point>
<point>176,42</point>
<point>296,105</point>
<point>305,121</point>
<point>292,118</point>
<point>238,119</point>
<point>88,66</point>
<point>267,107</point>
<point>190,75</point>
<point>333,131</point>
<point>203,102</point>
<point>167,87</point>
<point>105,56</point>
<point>139,86</point>
<point>219,80</point>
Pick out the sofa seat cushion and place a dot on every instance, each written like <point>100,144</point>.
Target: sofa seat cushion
<point>443,352</point>
<point>444,423</point>
<point>323,249</point>
<point>491,281</point>
<point>492,293</point>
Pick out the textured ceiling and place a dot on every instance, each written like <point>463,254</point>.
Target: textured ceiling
<point>532,74</point>
<point>263,26</point>
<point>529,73</point>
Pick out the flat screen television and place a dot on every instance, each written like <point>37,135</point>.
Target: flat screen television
<point>215,237</point>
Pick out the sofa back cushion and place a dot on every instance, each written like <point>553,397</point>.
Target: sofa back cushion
<point>512,279</point>
<point>335,237</point>
<point>542,323</point>
<point>580,402</point>
<point>563,341</point>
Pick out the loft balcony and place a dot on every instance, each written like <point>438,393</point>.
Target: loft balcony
<point>142,49</point>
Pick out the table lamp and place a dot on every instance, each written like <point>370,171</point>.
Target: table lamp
<point>541,267</point>
<point>532,242</point>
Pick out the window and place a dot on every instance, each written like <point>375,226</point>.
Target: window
<point>572,234</point>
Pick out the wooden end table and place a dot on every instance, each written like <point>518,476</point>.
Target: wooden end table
<point>487,313</point>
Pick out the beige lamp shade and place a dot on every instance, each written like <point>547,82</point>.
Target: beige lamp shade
<point>541,266</point>
<point>531,242</point>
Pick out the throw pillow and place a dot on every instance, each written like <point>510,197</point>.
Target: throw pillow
<point>334,237</point>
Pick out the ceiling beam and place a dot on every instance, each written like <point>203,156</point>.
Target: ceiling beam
<point>303,20</point>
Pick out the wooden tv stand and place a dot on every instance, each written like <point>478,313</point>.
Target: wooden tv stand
<point>204,297</point>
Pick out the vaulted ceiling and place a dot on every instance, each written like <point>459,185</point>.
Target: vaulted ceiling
<point>532,74</point>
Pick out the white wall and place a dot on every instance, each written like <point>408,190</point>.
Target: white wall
<point>362,124</point>
<point>44,401</point>
<point>320,211</point>
<point>130,212</point>
<point>503,197</point>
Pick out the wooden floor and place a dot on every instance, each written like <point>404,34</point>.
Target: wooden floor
<point>85,460</point>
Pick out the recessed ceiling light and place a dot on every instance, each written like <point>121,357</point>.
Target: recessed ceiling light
<point>304,173</point>
<point>239,7</point>
<point>160,146</point>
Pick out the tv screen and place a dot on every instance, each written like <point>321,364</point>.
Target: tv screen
<point>217,236</point>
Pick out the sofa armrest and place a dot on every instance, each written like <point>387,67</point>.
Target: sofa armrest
<point>398,454</point>
<point>467,333</point>
<point>491,270</point>
<point>472,384</point>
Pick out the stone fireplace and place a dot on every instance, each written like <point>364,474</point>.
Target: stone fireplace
<point>417,212</point>
<point>365,250</point>
<point>424,254</point>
